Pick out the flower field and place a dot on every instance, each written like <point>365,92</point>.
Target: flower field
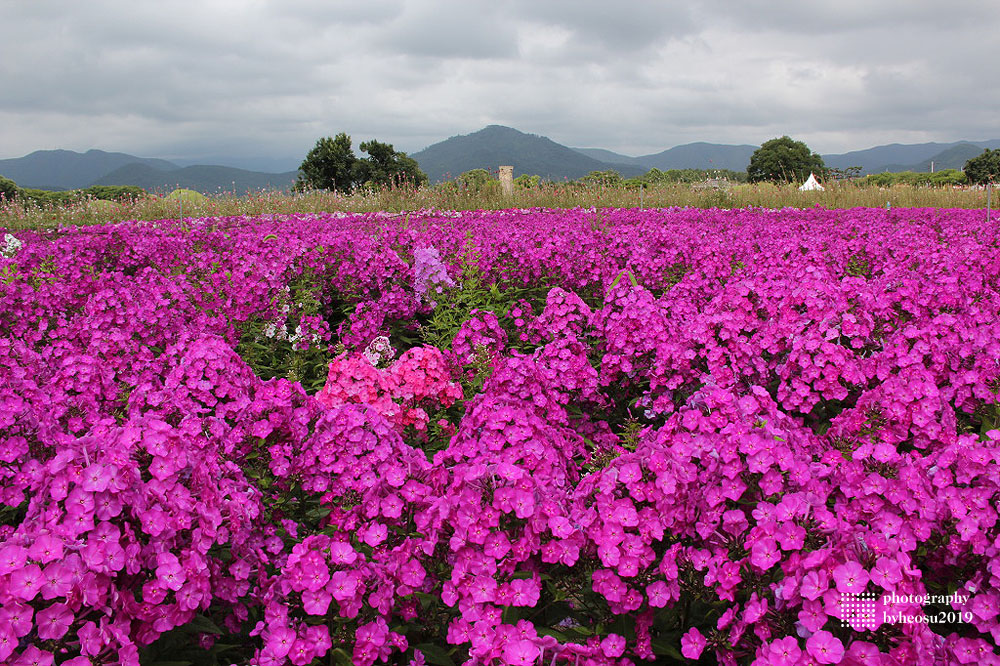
<point>521,437</point>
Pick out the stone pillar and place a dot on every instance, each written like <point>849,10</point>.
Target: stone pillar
<point>507,180</point>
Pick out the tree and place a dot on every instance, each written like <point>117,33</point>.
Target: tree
<point>477,180</point>
<point>8,189</point>
<point>330,165</point>
<point>526,182</point>
<point>388,167</point>
<point>784,160</point>
<point>609,178</point>
<point>984,168</point>
<point>114,192</point>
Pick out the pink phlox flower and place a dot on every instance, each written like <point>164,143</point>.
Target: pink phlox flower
<point>608,584</point>
<point>169,571</point>
<point>53,622</point>
<point>658,594</point>
<point>46,548</point>
<point>886,573</point>
<point>8,642</point>
<point>814,584</point>
<point>12,558</point>
<point>412,573</point>
<point>850,577</point>
<point>34,656</point>
<point>483,588</point>
<point>525,592</point>
<point>764,554</point>
<point>613,646</point>
<point>17,616</point>
<point>693,643</point>
<point>784,652</point>
<point>523,503</point>
<point>812,616</point>
<point>790,536</point>
<point>278,641</point>
<point>25,583</point>
<point>375,534</point>
<point>341,553</point>
<point>343,585</point>
<point>57,580</point>
<point>754,609</point>
<point>623,512</point>
<point>97,477</point>
<point>825,648</point>
<point>316,602</point>
<point>315,571</point>
<point>496,545</point>
<point>520,652</point>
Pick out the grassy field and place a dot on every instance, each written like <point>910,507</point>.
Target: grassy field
<point>15,215</point>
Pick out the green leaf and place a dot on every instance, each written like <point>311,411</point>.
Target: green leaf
<point>667,648</point>
<point>558,635</point>
<point>205,625</point>
<point>435,654</point>
<point>426,600</point>
<point>341,657</point>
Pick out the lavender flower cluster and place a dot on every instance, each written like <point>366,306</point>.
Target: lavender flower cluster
<point>694,433</point>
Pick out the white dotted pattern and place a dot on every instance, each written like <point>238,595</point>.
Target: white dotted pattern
<point>857,610</point>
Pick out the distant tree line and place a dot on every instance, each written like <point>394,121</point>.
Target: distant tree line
<point>10,190</point>
<point>940,178</point>
<point>332,165</point>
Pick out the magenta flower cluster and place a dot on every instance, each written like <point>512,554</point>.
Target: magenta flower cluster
<point>692,435</point>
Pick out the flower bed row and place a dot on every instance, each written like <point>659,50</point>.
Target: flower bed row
<point>516,437</point>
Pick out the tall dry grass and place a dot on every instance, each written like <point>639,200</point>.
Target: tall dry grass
<point>15,215</point>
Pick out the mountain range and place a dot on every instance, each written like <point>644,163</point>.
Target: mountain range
<point>488,148</point>
<point>68,170</point>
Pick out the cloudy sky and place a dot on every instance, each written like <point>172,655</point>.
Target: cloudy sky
<point>259,81</point>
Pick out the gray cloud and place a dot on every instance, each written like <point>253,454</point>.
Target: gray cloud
<point>263,80</point>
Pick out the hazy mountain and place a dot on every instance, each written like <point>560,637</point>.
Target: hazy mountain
<point>496,145</point>
<point>608,156</point>
<point>207,179</point>
<point>700,155</point>
<point>69,170</point>
<point>906,157</point>
<point>486,149</point>
<point>950,158</point>
<point>260,164</point>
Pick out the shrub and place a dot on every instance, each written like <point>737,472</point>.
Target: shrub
<point>114,192</point>
<point>9,189</point>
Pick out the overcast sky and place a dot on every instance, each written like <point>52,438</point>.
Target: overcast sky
<point>262,80</point>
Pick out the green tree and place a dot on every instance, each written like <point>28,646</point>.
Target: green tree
<point>526,182</point>
<point>330,165</point>
<point>388,167</point>
<point>985,168</point>
<point>784,160</point>
<point>847,173</point>
<point>475,179</point>
<point>114,192</point>
<point>8,188</point>
<point>609,178</point>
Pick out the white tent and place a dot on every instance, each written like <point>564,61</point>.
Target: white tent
<point>811,184</point>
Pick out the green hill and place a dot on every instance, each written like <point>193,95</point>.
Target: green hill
<point>496,145</point>
<point>205,179</point>
<point>69,170</point>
